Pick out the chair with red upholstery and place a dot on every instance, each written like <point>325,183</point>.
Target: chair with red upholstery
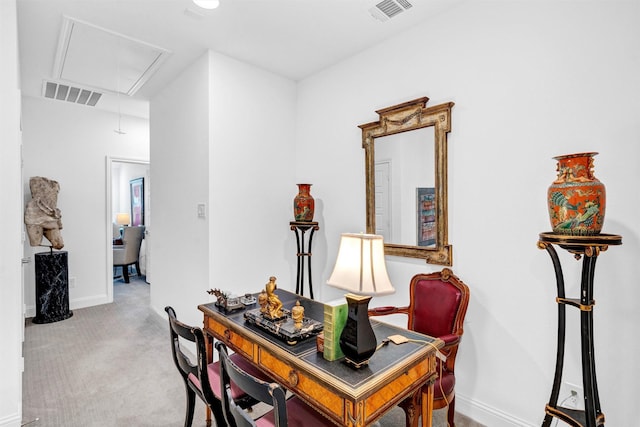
<point>202,379</point>
<point>437,307</point>
<point>291,412</point>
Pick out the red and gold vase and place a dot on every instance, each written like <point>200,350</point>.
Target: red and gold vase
<point>576,199</point>
<point>303,204</point>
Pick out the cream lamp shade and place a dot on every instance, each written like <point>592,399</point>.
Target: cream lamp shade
<point>123,219</point>
<point>360,266</point>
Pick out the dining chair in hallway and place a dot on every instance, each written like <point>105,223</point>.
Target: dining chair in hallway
<point>202,378</point>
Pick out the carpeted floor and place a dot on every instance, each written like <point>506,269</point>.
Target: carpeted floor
<point>110,365</point>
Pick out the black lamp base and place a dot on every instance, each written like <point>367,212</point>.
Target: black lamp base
<point>358,341</point>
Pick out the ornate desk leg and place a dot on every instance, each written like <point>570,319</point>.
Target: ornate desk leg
<point>426,405</point>
<point>354,415</point>
<point>418,408</point>
<point>412,409</point>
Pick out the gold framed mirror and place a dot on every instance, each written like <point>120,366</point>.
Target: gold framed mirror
<point>406,149</point>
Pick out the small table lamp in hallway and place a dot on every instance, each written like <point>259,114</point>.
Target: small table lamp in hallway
<point>122,220</point>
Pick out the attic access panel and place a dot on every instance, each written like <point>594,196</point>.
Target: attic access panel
<point>99,58</point>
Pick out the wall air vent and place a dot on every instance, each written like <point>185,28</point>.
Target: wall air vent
<point>388,9</point>
<point>69,93</point>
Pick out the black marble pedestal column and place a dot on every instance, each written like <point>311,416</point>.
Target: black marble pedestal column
<point>52,287</point>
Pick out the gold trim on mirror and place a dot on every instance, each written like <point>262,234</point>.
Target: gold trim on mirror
<point>406,117</point>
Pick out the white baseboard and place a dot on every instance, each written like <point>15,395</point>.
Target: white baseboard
<point>488,415</point>
<point>12,420</point>
<point>74,304</point>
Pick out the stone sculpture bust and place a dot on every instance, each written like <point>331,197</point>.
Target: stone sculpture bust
<point>41,216</point>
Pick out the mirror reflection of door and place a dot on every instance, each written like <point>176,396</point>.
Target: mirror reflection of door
<point>412,155</point>
<point>383,200</point>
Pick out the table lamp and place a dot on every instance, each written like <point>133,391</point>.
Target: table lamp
<point>360,268</point>
<point>123,219</point>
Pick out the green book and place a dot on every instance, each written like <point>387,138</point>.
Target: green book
<point>335,316</point>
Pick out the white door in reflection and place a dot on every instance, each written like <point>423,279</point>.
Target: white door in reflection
<point>383,199</point>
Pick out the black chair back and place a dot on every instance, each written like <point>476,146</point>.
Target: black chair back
<point>266,392</point>
<point>190,371</point>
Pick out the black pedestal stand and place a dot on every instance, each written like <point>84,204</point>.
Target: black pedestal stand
<point>300,228</point>
<point>52,287</point>
<point>588,248</point>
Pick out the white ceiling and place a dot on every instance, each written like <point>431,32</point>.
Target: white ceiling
<point>114,39</point>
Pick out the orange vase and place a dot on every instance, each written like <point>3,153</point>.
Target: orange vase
<point>303,204</point>
<point>576,199</point>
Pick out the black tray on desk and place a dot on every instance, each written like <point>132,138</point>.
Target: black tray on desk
<point>284,328</point>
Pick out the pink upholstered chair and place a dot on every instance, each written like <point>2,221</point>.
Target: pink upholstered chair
<point>291,412</point>
<point>203,378</point>
<point>437,307</point>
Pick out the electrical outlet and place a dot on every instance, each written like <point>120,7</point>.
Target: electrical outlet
<point>571,396</point>
<point>72,282</point>
<point>573,399</point>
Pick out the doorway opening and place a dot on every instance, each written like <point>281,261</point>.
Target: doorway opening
<point>121,174</point>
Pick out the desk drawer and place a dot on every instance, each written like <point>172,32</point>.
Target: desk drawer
<point>388,396</point>
<point>231,338</point>
<point>302,384</point>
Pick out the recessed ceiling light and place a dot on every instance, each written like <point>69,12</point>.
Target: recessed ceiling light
<point>207,4</point>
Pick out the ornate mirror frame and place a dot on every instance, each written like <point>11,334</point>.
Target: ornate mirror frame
<point>408,116</point>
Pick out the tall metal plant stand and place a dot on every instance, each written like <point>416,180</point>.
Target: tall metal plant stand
<point>300,228</point>
<point>588,248</point>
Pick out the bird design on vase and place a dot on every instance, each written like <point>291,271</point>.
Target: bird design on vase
<point>585,218</point>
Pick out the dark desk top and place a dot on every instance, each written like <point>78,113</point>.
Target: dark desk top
<point>382,363</point>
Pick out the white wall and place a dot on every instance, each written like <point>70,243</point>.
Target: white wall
<point>251,181</point>
<point>69,143</point>
<point>11,362</point>
<point>179,154</point>
<point>530,80</point>
<point>222,135</point>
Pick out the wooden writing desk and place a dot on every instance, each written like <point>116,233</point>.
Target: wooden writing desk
<point>345,396</point>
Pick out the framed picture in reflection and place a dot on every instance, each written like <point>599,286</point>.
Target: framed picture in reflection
<point>426,216</point>
<point>137,201</point>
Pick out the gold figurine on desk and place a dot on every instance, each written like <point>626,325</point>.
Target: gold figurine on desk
<point>262,301</point>
<point>274,305</point>
<point>297,314</point>
<point>288,324</point>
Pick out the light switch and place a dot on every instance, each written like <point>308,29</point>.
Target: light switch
<point>202,210</point>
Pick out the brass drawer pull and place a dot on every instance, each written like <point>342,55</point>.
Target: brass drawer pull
<point>293,378</point>
<point>227,334</point>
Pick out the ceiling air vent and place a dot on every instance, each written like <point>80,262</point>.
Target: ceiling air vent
<point>388,9</point>
<point>70,93</point>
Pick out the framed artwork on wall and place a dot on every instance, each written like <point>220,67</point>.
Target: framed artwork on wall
<point>137,201</point>
<point>426,220</point>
